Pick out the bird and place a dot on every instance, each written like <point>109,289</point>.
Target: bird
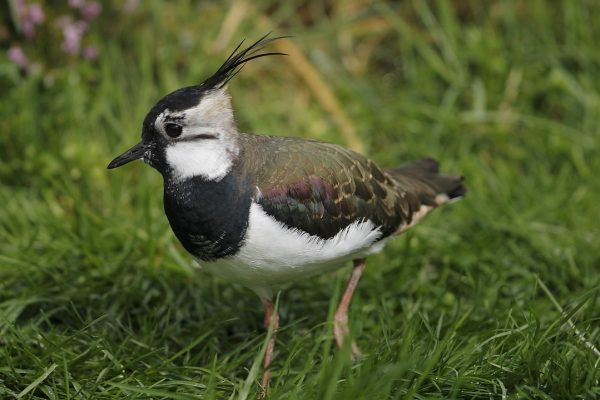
<point>264,211</point>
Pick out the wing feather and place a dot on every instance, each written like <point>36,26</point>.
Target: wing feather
<point>322,188</point>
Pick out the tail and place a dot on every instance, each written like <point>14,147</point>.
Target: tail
<point>422,178</point>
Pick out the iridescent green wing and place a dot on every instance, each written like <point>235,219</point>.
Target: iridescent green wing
<point>322,188</point>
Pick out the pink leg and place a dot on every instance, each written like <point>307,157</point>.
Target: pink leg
<point>340,324</point>
<point>271,319</point>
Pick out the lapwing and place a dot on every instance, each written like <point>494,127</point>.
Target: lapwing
<point>264,211</point>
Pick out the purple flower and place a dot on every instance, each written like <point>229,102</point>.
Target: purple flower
<point>90,53</point>
<point>76,3</point>
<point>90,10</point>
<point>72,33</point>
<point>20,4</point>
<point>28,28</point>
<point>17,56</point>
<point>36,14</point>
<point>130,6</point>
<point>29,16</point>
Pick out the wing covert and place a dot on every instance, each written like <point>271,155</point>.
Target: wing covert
<point>321,188</point>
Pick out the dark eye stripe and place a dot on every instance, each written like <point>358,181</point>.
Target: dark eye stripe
<point>199,136</point>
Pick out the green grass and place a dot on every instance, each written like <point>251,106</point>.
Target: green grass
<point>98,300</point>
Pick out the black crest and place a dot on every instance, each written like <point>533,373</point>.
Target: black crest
<point>237,59</point>
<point>187,97</point>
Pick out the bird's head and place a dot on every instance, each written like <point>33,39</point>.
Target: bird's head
<point>191,131</point>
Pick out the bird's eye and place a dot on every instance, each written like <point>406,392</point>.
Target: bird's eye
<point>173,130</point>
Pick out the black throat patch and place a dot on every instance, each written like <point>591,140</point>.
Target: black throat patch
<point>209,218</point>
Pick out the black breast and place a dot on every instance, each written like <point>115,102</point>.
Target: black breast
<point>209,218</point>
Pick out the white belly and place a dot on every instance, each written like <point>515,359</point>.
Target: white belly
<point>273,254</point>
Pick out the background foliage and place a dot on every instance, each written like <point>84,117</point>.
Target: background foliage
<point>492,297</point>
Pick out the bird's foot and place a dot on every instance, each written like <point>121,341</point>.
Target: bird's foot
<point>271,324</point>
<point>264,384</point>
<point>340,321</point>
<point>341,332</point>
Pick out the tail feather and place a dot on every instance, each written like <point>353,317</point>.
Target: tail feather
<point>422,177</point>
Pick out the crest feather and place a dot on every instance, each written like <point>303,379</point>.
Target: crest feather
<point>236,60</point>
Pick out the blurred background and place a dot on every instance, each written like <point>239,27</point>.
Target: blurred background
<point>496,295</point>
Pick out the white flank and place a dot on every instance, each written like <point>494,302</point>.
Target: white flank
<point>268,241</point>
<point>274,254</point>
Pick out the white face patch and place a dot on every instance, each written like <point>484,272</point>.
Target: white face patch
<point>207,145</point>
<point>209,158</point>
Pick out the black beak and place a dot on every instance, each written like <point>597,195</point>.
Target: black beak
<point>134,153</point>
